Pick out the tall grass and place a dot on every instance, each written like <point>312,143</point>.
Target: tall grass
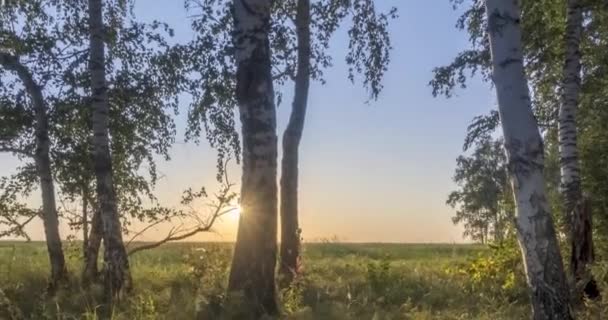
<point>339,281</point>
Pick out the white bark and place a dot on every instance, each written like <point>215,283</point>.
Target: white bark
<point>117,275</point>
<point>576,211</point>
<point>43,167</point>
<point>569,166</point>
<point>254,262</point>
<point>536,233</point>
<point>250,19</point>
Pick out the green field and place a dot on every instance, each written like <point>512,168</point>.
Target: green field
<point>340,281</point>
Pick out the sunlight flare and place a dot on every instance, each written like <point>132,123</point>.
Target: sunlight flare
<point>235,213</point>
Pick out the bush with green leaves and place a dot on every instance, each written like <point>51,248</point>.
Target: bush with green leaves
<point>499,272</point>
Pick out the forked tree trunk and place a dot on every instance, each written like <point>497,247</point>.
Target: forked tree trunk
<point>117,276</point>
<point>535,230</point>
<point>43,167</point>
<point>90,271</point>
<point>576,210</point>
<point>290,230</point>
<point>255,253</point>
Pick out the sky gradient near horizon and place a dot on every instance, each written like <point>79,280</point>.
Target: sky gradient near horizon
<point>375,172</point>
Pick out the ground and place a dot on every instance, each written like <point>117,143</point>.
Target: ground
<point>340,281</point>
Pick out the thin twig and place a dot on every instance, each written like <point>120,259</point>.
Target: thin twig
<point>224,197</point>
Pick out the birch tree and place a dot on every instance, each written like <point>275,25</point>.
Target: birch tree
<point>290,230</point>
<point>368,55</point>
<point>143,82</point>
<point>480,200</point>
<point>300,36</point>
<point>536,234</point>
<point>43,167</point>
<point>116,263</point>
<point>555,38</point>
<point>576,208</point>
<point>143,79</point>
<point>254,261</point>
<point>18,115</point>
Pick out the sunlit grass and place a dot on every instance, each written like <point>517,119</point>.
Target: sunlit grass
<point>340,281</point>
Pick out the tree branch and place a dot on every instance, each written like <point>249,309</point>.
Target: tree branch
<point>18,228</point>
<point>16,151</point>
<point>11,62</point>
<point>282,74</point>
<point>172,235</point>
<point>224,197</point>
<point>139,233</point>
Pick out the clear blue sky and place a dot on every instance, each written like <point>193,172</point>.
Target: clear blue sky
<point>369,172</point>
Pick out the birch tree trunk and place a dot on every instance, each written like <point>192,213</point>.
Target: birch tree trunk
<point>43,168</point>
<point>290,230</point>
<point>47,186</point>
<point>90,270</point>
<point>577,213</point>
<point>536,233</point>
<point>116,264</point>
<point>254,261</point>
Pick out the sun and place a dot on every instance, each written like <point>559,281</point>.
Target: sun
<point>235,213</point>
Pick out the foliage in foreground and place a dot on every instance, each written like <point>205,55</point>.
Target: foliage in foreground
<point>340,281</point>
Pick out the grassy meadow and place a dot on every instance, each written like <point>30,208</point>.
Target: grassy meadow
<point>340,281</point>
